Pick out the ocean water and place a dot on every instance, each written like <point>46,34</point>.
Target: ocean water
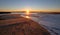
<point>49,21</point>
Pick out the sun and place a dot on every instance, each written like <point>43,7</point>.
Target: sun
<point>27,12</point>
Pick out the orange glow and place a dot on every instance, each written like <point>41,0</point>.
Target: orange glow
<point>27,17</point>
<point>27,12</point>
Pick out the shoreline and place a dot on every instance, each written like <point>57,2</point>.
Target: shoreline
<point>21,26</point>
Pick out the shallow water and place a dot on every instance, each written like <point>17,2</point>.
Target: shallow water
<point>49,21</point>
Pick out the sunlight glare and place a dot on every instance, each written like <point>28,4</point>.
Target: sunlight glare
<point>27,17</point>
<point>27,12</point>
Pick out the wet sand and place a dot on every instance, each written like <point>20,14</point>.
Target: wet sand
<point>21,26</point>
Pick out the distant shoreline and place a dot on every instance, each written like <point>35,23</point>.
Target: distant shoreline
<point>31,12</point>
<point>50,12</point>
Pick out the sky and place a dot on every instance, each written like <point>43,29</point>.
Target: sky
<point>21,5</point>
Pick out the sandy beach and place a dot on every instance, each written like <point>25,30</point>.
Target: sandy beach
<point>21,26</point>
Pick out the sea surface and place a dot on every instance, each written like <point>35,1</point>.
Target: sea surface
<point>49,21</point>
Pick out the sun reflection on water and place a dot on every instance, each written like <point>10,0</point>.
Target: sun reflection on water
<point>27,14</point>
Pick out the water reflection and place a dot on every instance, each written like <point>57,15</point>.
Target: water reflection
<point>27,16</point>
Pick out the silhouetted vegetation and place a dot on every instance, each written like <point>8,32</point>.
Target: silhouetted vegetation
<point>5,12</point>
